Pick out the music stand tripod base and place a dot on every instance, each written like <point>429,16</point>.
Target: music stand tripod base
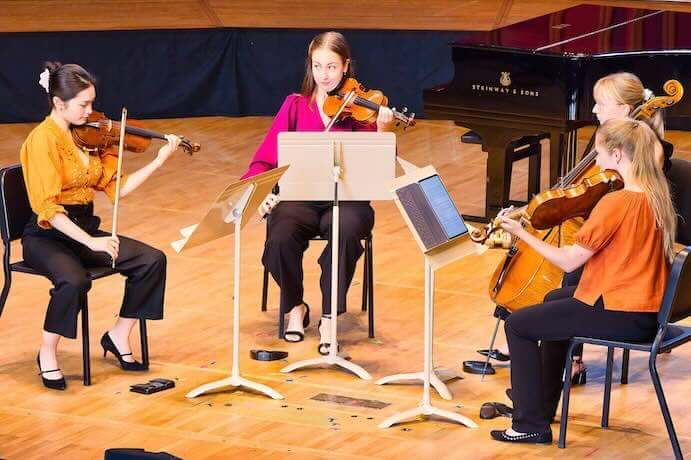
<point>427,410</point>
<point>234,381</point>
<point>435,381</point>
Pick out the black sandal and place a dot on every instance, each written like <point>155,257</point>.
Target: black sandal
<point>305,323</point>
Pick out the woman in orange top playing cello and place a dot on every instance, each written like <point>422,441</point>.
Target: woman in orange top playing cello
<point>62,236</point>
<point>627,241</point>
<point>617,96</point>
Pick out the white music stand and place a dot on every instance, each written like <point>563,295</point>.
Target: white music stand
<point>336,166</point>
<point>435,259</point>
<point>227,209</point>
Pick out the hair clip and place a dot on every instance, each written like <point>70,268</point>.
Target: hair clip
<point>44,79</point>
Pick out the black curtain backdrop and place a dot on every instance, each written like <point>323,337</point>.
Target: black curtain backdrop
<point>232,72</point>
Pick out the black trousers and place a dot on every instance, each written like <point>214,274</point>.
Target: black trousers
<point>291,225</point>
<point>538,340</point>
<point>64,261</point>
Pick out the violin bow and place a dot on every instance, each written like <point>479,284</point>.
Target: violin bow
<point>121,146</point>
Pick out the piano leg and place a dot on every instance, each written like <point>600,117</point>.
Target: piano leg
<point>498,178</point>
<point>557,144</point>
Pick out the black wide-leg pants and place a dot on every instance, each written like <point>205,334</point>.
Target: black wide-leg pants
<point>292,224</point>
<point>64,262</point>
<point>538,339</point>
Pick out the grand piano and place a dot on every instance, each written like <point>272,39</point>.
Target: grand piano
<point>534,80</point>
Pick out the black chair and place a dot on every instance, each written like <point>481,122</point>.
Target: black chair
<point>679,177</point>
<point>15,212</point>
<point>676,306</point>
<point>367,286</point>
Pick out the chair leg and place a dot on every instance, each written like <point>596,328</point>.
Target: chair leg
<point>265,282</point>
<point>625,367</point>
<point>365,276</point>
<point>144,342</point>
<point>370,288</point>
<point>565,396</point>
<point>663,406</point>
<point>86,354</point>
<point>608,387</point>
<point>281,323</point>
<point>265,289</point>
<point>8,278</point>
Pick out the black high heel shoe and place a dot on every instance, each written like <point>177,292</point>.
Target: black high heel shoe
<point>53,384</point>
<point>580,377</point>
<point>109,346</point>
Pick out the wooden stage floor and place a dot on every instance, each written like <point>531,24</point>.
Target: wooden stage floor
<point>193,344</point>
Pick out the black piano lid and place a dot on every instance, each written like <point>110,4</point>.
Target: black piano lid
<point>564,53</point>
<point>592,29</point>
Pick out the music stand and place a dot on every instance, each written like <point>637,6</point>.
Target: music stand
<point>439,250</point>
<point>336,166</point>
<point>229,208</point>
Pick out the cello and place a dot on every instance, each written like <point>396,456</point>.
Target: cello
<point>524,277</point>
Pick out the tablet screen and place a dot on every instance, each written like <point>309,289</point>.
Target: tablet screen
<point>443,206</point>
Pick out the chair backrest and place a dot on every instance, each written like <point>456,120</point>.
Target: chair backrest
<point>15,210</point>
<point>679,176</point>
<point>676,303</point>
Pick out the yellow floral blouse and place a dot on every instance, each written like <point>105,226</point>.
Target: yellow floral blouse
<point>55,172</point>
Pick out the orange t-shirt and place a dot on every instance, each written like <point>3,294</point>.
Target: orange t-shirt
<point>629,268</point>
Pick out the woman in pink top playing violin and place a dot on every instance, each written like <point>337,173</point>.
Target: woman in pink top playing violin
<point>293,224</point>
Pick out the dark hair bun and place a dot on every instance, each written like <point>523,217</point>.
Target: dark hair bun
<point>52,66</point>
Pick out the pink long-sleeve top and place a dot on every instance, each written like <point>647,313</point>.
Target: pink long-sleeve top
<point>297,113</point>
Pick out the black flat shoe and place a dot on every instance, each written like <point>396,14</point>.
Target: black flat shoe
<point>495,354</point>
<point>53,384</point>
<point>299,334</point>
<point>491,410</point>
<point>526,438</point>
<point>109,346</point>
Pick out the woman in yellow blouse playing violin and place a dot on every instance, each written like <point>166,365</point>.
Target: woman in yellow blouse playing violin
<point>63,237</point>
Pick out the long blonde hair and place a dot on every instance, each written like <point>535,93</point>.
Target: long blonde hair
<point>637,141</point>
<point>626,88</point>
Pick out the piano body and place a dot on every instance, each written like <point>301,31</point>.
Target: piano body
<point>535,78</point>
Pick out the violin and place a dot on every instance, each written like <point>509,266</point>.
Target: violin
<point>99,132</point>
<point>361,104</point>
<point>577,194</point>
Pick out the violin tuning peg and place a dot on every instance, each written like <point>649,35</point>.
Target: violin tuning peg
<point>405,109</point>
